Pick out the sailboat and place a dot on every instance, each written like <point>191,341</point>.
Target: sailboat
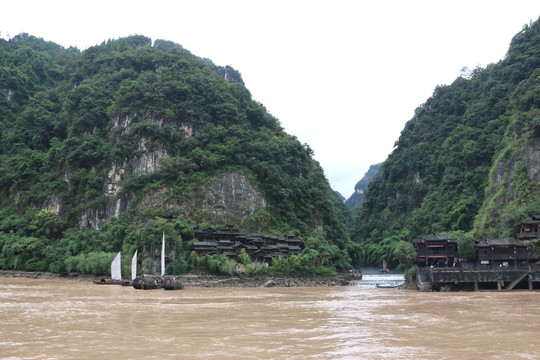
<point>116,273</point>
<point>144,282</point>
<point>148,282</point>
<point>134,266</point>
<point>384,267</point>
<point>169,282</point>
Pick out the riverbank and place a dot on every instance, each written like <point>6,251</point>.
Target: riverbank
<point>205,280</point>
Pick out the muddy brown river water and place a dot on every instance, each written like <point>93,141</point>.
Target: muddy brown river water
<point>65,319</point>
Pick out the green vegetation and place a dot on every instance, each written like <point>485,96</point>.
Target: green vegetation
<point>466,162</point>
<point>102,149</point>
<point>361,188</point>
<point>405,254</point>
<point>89,139</point>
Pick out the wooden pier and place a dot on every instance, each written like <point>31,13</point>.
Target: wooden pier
<point>499,278</point>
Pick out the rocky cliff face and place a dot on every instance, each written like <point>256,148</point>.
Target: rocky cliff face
<point>355,201</point>
<point>224,198</point>
<point>148,128</point>
<point>514,185</point>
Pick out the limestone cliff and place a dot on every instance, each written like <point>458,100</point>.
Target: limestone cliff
<point>145,128</point>
<point>514,187</point>
<point>223,198</point>
<point>361,187</point>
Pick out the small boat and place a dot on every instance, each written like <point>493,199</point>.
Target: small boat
<point>147,282</point>
<point>388,285</point>
<point>172,283</point>
<point>169,282</point>
<point>116,274</point>
<point>104,281</point>
<point>150,282</point>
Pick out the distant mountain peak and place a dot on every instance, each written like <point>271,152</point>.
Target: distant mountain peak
<point>361,187</point>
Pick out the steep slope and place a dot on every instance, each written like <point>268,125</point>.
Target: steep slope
<point>513,191</point>
<point>361,187</point>
<point>144,131</point>
<point>436,178</point>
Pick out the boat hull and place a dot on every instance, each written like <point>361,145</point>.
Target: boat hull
<point>146,283</point>
<point>388,286</point>
<point>172,283</point>
<point>111,282</point>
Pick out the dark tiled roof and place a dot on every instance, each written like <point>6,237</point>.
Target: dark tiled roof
<point>440,237</point>
<point>204,243</point>
<point>500,242</point>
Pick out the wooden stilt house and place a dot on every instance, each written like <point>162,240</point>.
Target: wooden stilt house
<point>436,251</point>
<point>530,228</point>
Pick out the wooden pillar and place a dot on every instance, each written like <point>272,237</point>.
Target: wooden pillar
<point>530,284</point>
<point>446,249</point>
<point>499,287</point>
<point>475,285</point>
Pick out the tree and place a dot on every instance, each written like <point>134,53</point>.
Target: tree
<point>244,258</point>
<point>466,248</point>
<point>45,223</point>
<point>405,253</point>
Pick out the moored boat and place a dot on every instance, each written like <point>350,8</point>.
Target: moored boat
<point>172,283</point>
<point>104,281</point>
<point>116,274</point>
<point>388,285</point>
<point>149,282</point>
<point>146,282</point>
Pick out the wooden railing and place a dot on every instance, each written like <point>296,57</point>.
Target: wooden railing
<point>511,267</point>
<point>529,234</point>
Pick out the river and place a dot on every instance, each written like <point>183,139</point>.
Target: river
<point>66,319</point>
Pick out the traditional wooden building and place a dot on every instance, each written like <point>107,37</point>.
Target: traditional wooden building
<point>436,250</point>
<point>504,253</point>
<point>504,263</point>
<point>530,228</point>
<point>229,241</point>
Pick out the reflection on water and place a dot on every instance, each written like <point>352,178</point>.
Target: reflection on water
<point>62,319</point>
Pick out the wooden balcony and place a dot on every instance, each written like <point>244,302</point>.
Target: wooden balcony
<point>529,235</point>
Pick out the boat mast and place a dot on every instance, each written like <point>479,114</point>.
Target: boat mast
<point>152,252</point>
<point>163,255</point>
<point>174,257</point>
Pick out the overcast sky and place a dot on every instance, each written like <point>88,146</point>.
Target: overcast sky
<point>342,76</point>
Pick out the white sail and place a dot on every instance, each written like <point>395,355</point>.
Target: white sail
<point>163,255</point>
<point>116,273</point>
<point>134,266</point>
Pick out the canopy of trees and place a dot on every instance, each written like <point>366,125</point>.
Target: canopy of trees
<point>467,161</point>
<point>60,111</point>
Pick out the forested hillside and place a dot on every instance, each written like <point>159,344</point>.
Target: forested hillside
<point>467,162</point>
<point>103,148</point>
<point>361,187</point>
